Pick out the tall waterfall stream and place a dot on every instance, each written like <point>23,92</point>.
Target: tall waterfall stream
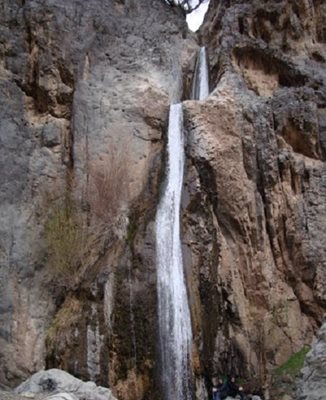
<point>174,314</point>
<point>173,308</point>
<point>200,88</point>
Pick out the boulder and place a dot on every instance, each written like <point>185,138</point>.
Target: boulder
<point>238,397</point>
<point>62,386</point>
<point>62,396</point>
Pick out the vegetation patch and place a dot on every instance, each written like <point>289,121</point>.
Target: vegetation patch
<point>109,184</point>
<point>66,318</point>
<point>66,236</point>
<point>132,227</point>
<point>294,364</point>
<point>78,233</point>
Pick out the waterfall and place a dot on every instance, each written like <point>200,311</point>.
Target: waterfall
<point>200,88</point>
<point>173,308</point>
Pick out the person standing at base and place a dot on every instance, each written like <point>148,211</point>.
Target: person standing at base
<point>217,386</point>
<point>230,388</point>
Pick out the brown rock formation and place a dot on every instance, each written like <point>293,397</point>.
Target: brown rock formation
<point>254,215</point>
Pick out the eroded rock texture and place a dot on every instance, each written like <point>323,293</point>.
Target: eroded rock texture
<point>313,385</point>
<point>82,83</point>
<point>254,215</point>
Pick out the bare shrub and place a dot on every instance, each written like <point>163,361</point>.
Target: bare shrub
<point>61,326</point>
<point>109,185</point>
<point>76,239</point>
<point>66,240</point>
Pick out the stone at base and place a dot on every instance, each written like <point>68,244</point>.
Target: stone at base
<point>286,397</point>
<point>60,385</point>
<point>62,396</point>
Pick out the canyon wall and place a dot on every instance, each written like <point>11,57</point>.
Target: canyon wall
<point>312,385</point>
<point>254,208</point>
<point>85,89</point>
<point>85,93</point>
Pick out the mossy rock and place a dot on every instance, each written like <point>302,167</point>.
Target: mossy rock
<point>65,234</point>
<point>66,318</point>
<point>294,364</point>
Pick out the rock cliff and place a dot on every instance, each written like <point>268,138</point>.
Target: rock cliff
<point>254,206</point>
<point>85,93</point>
<point>312,384</point>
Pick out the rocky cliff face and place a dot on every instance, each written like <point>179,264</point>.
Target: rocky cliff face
<point>255,188</point>
<point>312,385</point>
<point>85,93</point>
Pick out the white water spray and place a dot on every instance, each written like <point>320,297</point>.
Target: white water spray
<point>174,314</point>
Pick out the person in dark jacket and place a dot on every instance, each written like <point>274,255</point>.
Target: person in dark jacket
<point>230,388</point>
<point>217,386</point>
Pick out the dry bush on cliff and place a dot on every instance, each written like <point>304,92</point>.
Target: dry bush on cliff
<point>76,239</point>
<point>109,185</point>
<point>64,322</point>
<point>66,240</point>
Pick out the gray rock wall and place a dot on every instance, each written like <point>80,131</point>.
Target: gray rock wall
<point>82,83</point>
<point>313,383</point>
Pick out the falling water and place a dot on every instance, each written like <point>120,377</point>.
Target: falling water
<point>200,88</point>
<point>174,314</point>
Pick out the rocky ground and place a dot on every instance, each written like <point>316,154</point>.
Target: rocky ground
<point>9,396</point>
